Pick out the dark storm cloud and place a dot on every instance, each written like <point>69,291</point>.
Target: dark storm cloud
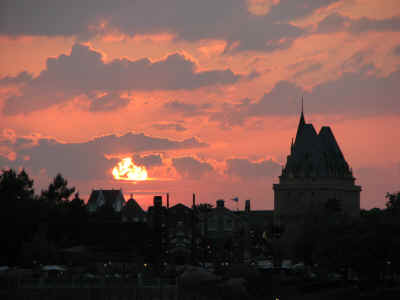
<point>53,18</point>
<point>151,160</point>
<point>262,35</point>
<point>5,163</point>
<point>184,108</point>
<point>231,114</point>
<point>352,94</point>
<point>366,24</point>
<point>245,168</point>
<point>21,78</point>
<point>191,168</point>
<point>288,10</point>
<point>336,23</point>
<point>345,95</point>
<point>396,50</point>
<point>358,61</point>
<point>224,19</point>
<point>278,101</point>
<point>169,126</point>
<point>87,160</point>
<point>188,20</point>
<point>109,102</point>
<point>332,23</point>
<point>281,100</point>
<point>84,72</point>
<point>309,69</point>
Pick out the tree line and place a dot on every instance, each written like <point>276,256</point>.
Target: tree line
<point>35,226</point>
<point>368,246</point>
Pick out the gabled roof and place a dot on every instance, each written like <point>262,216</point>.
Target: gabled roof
<point>133,205</point>
<point>314,155</point>
<point>93,196</point>
<point>110,196</point>
<point>132,209</point>
<point>178,207</point>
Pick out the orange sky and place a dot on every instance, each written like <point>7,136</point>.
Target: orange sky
<point>228,75</point>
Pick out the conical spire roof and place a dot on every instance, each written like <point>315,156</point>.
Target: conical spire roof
<point>315,154</point>
<point>302,120</point>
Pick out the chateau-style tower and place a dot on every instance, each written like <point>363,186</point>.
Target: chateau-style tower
<point>315,173</point>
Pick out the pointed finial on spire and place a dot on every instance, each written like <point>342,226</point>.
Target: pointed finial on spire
<point>291,147</point>
<point>302,121</point>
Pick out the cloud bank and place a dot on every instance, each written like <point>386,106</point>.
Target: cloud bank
<point>84,73</point>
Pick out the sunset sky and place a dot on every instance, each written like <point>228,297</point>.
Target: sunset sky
<point>204,94</point>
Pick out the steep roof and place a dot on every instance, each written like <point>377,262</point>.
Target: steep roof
<point>110,196</point>
<point>133,205</point>
<point>132,209</point>
<point>93,196</point>
<point>314,155</point>
<point>179,206</point>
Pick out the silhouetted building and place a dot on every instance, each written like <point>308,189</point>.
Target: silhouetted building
<point>157,214</point>
<point>226,231</point>
<point>259,225</point>
<point>181,215</point>
<point>175,226</point>
<point>315,173</point>
<point>260,219</point>
<point>157,221</point>
<point>111,198</point>
<point>133,212</point>
<point>179,244</point>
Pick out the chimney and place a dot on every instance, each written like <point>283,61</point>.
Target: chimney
<point>167,200</point>
<point>220,203</point>
<point>247,206</point>
<point>194,200</point>
<point>157,200</point>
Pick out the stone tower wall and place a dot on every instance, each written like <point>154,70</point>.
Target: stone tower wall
<point>294,200</point>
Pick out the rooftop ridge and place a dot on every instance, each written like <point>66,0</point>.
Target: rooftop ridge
<point>315,154</point>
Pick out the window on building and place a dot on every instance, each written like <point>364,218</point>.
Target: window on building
<point>212,223</point>
<point>228,224</point>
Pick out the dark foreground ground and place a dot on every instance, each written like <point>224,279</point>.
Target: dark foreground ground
<point>174,292</point>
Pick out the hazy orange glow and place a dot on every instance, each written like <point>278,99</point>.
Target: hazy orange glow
<point>361,41</point>
<point>127,170</point>
<point>260,7</point>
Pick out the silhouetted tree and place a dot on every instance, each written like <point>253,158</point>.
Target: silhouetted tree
<point>372,213</point>
<point>393,203</point>
<point>77,208</point>
<point>58,191</point>
<point>18,212</point>
<point>77,205</point>
<point>15,189</point>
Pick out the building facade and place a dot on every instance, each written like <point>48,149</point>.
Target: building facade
<point>111,198</point>
<point>133,212</point>
<point>316,174</point>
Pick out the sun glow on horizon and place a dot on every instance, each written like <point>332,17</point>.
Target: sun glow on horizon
<point>127,170</point>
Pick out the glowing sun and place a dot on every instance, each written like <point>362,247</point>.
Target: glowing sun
<point>127,170</point>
